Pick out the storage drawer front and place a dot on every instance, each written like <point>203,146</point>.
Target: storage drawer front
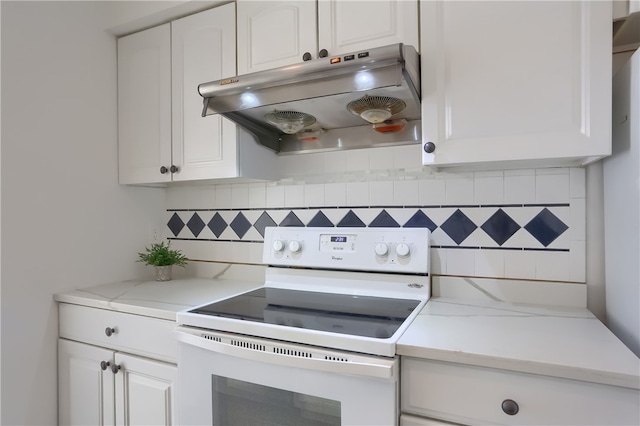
<point>468,394</point>
<point>136,334</point>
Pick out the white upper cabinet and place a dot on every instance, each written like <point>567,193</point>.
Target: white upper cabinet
<point>277,33</point>
<point>202,49</point>
<point>274,33</point>
<point>144,105</point>
<point>162,134</point>
<point>348,26</point>
<point>516,83</point>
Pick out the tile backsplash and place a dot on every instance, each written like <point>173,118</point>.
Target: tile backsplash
<point>520,224</point>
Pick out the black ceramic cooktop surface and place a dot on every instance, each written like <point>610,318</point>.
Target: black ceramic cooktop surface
<point>367,316</point>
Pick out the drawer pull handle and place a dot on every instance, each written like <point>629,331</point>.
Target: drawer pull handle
<point>109,331</point>
<point>115,368</point>
<point>104,365</point>
<point>510,407</point>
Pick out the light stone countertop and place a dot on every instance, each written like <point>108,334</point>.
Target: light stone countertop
<point>565,342</point>
<point>164,299</point>
<point>555,341</point>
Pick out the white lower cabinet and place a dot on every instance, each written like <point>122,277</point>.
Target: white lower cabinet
<point>475,395</point>
<point>101,385</point>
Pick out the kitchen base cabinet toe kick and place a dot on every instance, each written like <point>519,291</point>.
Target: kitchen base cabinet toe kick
<point>467,394</point>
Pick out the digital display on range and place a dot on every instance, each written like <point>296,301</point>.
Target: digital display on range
<point>345,243</point>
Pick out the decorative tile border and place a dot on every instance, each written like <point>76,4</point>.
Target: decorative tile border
<point>538,227</point>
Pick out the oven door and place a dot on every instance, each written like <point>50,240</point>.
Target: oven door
<point>227,379</point>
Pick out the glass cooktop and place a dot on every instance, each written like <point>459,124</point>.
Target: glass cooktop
<point>366,316</point>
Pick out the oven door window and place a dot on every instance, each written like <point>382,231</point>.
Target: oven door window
<point>236,402</point>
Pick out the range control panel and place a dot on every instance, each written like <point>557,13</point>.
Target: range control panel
<point>403,250</point>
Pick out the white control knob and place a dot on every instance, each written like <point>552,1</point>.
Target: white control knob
<point>278,245</point>
<point>382,249</point>
<point>403,250</point>
<point>294,246</point>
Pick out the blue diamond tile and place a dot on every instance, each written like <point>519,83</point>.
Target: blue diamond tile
<point>195,225</point>
<point>320,220</point>
<point>384,220</point>
<point>291,220</point>
<point>500,227</point>
<point>546,227</point>
<point>351,220</point>
<point>175,224</point>
<point>420,220</point>
<point>217,225</point>
<point>263,221</point>
<point>240,225</point>
<point>458,226</point>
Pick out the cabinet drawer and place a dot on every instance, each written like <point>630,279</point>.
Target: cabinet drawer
<point>136,334</point>
<point>468,394</point>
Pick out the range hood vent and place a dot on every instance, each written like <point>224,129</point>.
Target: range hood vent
<point>322,89</point>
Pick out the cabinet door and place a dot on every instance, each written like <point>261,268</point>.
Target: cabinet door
<point>275,33</point>
<point>144,105</point>
<point>145,391</point>
<point>507,81</point>
<point>203,49</point>
<point>347,26</point>
<point>85,391</point>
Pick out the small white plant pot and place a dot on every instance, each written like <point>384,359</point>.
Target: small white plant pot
<point>163,273</point>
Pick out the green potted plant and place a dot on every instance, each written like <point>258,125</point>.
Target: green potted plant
<point>162,257</point>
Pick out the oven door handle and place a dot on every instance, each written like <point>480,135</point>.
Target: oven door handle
<point>382,368</point>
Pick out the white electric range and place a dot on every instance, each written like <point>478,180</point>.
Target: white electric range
<point>334,303</point>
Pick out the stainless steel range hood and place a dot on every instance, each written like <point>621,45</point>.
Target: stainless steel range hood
<point>323,88</point>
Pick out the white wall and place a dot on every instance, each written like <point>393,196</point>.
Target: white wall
<point>65,221</point>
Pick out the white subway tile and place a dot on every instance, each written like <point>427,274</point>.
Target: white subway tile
<point>314,195</point>
<point>406,192</point>
<point>239,196</point>
<point>578,220</point>
<point>223,197</point>
<point>301,164</point>
<point>553,265</point>
<point>432,191</point>
<point>381,158</point>
<point>460,262</point>
<point>335,162</point>
<point>438,261</point>
<point>459,189</point>
<point>577,182</point>
<point>177,198</point>
<point>552,188</point>
<point>381,193</point>
<point>257,195</point>
<point>207,196</point>
<point>357,160</point>
<point>293,195</point>
<point>488,190</point>
<point>519,264</point>
<point>335,194</point>
<point>358,193</point>
<point>275,196</point>
<point>578,254</point>
<point>407,156</point>
<point>519,189</point>
<point>489,263</point>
